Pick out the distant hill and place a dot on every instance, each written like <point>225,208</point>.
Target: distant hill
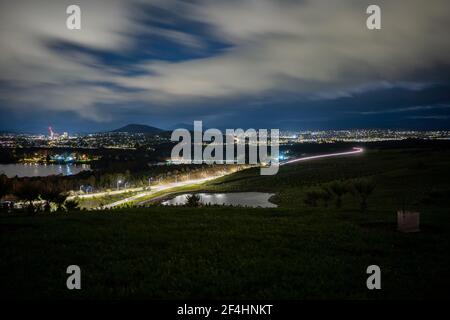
<point>10,132</point>
<point>190,126</point>
<point>187,126</point>
<point>139,128</point>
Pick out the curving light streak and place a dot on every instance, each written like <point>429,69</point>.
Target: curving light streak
<point>159,188</point>
<point>202,180</point>
<point>355,151</point>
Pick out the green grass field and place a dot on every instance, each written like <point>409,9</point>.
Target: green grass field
<point>291,252</point>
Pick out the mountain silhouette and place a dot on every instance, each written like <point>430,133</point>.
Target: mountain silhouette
<point>139,128</point>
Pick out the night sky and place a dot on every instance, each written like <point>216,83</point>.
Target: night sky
<point>258,63</point>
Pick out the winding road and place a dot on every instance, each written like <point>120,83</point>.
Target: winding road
<point>172,185</point>
<point>329,155</point>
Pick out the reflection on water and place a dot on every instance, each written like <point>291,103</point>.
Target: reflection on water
<point>245,199</point>
<point>40,170</point>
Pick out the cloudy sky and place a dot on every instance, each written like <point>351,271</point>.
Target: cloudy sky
<point>258,63</point>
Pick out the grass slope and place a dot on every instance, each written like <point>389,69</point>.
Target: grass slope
<point>293,251</point>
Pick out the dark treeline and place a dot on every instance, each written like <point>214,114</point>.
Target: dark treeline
<point>35,195</point>
<point>105,155</point>
<point>54,188</point>
<point>361,189</point>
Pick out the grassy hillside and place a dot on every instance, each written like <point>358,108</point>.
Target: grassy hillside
<point>294,251</point>
<point>416,177</point>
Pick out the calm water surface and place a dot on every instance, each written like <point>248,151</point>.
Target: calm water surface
<point>245,199</point>
<point>41,170</point>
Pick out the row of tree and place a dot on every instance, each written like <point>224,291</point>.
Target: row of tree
<point>96,181</point>
<point>361,189</point>
<point>55,189</point>
<point>36,195</point>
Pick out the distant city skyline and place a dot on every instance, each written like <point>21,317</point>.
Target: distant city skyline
<point>375,132</point>
<point>292,65</point>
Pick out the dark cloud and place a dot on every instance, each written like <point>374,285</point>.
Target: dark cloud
<point>178,60</point>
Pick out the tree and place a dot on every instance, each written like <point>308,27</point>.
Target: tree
<point>5,185</point>
<point>50,194</point>
<point>363,188</point>
<point>312,197</point>
<point>92,181</point>
<point>193,200</point>
<point>338,189</point>
<point>72,205</point>
<point>326,195</point>
<point>60,199</point>
<point>28,191</point>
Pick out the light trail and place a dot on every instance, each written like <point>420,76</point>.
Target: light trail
<point>159,188</point>
<point>172,185</point>
<point>104,193</point>
<point>355,151</point>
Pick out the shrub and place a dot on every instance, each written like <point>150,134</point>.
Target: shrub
<point>5,185</point>
<point>338,189</point>
<point>312,197</point>
<point>28,191</point>
<point>49,193</point>
<point>193,200</point>
<point>72,205</point>
<point>363,188</point>
<point>326,196</point>
<point>60,200</point>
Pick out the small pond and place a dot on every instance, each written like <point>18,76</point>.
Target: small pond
<point>244,199</point>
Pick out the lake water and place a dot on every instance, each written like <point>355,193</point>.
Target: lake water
<point>40,170</point>
<point>245,199</point>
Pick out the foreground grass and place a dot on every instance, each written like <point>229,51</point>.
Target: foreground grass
<point>293,251</point>
<point>220,253</point>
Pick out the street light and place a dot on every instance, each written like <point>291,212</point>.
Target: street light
<point>118,183</point>
<point>150,183</point>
